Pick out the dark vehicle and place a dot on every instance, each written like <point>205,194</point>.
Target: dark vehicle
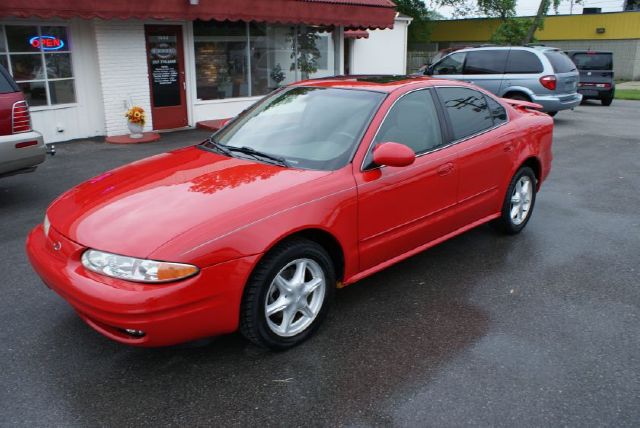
<point>21,148</point>
<point>596,75</point>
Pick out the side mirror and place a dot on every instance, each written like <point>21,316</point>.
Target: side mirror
<point>393,154</point>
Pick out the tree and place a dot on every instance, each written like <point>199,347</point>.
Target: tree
<point>537,22</point>
<point>420,28</point>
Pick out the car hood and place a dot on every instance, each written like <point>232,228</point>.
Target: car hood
<point>134,209</point>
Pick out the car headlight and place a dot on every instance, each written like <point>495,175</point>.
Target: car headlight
<point>133,269</point>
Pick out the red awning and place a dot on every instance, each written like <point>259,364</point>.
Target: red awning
<point>357,14</point>
<point>356,34</point>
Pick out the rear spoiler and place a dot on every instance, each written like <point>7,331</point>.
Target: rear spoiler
<point>522,105</point>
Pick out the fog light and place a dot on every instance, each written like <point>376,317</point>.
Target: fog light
<point>134,333</point>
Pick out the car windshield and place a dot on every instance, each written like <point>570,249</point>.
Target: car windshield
<point>593,61</point>
<point>306,127</point>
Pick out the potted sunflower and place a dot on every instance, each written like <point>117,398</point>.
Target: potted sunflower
<point>135,121</point>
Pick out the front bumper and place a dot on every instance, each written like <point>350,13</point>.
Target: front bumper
<point>205,305</point>
<point>14,159</point>
<point>551,103</point>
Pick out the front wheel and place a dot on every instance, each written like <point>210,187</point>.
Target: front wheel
<point>518,203</point>
<point>552,113</point>
<point>288,295</point>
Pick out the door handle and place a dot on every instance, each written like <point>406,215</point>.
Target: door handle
<point>508,147</point>
<point>445,169</point>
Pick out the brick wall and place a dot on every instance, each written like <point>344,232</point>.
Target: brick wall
<point>123,71</point>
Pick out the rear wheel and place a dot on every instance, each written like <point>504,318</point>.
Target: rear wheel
<point>606,101</point>
<point>288,295</point>
<point>519,202</point>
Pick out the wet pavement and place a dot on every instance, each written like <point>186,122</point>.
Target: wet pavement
<point>537,329</point>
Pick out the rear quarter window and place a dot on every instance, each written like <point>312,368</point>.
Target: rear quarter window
<point>523,62</point>
<point>560,62</point>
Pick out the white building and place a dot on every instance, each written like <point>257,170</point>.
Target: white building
<point>81,64</point>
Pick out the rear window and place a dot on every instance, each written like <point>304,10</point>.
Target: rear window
<point>523,62</point>
<point>6,83</point>
<point>593,61</point>
<point>485,62</point>
<point>560,62</point>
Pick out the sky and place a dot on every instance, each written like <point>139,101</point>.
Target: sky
<point>530,7</point>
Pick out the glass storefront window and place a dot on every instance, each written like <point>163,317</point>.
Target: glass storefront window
<point>221,59</point>
<point>39,59</point>
<point>240,59</point>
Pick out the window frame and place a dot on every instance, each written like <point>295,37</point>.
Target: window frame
<point>534,54</point>
<point>487,52</point>
<point>367,165</point>
<point>42,54</point>
<point>454,141</point>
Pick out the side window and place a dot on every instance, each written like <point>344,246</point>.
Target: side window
<point>486,62</point>
<point>451,64</point>
<point>412,121</point>
<point>467,110</point>
<point>523,62</point>
<point>498,112</point>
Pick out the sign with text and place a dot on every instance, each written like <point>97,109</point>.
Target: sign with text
<point>163,66</point>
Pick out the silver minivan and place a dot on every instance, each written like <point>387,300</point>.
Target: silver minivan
<point>539,74</point>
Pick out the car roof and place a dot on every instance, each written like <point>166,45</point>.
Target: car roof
<point>378,82</point>
<point>532,48</point>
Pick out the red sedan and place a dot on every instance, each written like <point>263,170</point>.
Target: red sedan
<point>317,186</point>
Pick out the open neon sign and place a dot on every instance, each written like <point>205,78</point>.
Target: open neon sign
<point>47,43</point>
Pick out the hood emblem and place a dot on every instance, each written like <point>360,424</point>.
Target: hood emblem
<point>57,246</point>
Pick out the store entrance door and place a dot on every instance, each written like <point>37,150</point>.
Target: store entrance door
<point>165,60</point>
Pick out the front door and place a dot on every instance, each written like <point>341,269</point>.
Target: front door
<point>166,76</point>
<point>400,209</point>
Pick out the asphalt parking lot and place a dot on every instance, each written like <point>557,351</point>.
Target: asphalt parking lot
<point>533,330</point>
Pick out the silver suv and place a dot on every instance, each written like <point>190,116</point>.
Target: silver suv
<point>540,74</point>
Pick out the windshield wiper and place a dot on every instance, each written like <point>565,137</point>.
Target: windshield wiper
<point>219,147</point>
<point>256,154</point>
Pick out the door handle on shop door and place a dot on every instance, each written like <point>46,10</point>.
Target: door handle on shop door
<point>445,169</point>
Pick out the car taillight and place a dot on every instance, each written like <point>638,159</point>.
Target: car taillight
<point>20,119</point>
<point>549,82</point>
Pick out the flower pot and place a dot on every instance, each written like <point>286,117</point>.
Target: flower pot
<point>135,130</point>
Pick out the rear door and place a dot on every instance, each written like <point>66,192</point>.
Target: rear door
<point>522,70</point>
<point>594,67</point>
<point>565,70</point>
<point>485,151</point>
<point>485,68</point>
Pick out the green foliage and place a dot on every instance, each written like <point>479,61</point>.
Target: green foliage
<point>502,9</point>
<point>305,52</point>
<point>512,31</point>
<point>413,8</point>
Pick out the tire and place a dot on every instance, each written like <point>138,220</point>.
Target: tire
<point>606,101</point>
<point>552,113</point>
<point>273,281</point>
<point>506,222</point>
<point>518,96</point>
